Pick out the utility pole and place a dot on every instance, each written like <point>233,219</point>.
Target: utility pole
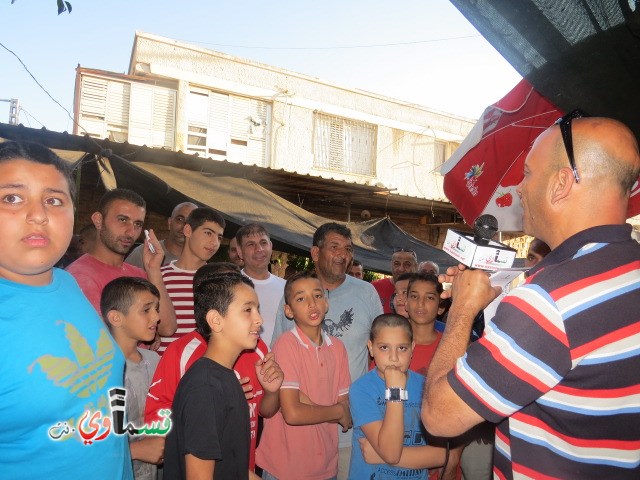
<point>14,110</point>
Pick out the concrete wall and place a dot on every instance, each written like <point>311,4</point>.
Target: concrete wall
<point>406,132</point>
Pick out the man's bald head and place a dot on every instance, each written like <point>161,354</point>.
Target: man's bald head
<point>555,205</point>
<point>605,150</point>
<point>176,224</point>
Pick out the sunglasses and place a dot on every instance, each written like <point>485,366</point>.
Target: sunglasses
<point>564,123</point>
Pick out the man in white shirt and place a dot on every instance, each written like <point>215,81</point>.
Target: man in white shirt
<point>255,248</point>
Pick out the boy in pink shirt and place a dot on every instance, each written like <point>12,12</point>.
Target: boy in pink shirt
<point>301,440</point>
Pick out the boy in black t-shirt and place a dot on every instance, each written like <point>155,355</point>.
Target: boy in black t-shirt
<point>210,433</point>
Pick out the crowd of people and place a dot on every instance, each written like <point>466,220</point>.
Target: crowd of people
<point>160,362</point>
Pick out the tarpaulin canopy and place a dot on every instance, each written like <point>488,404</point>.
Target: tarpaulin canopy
<point>165,184</point>
<point>577,53</point>
<point>242,201</point>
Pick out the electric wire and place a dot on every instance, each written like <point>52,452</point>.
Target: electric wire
<point>336,47</point>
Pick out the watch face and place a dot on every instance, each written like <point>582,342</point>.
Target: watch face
<point>393,394</point>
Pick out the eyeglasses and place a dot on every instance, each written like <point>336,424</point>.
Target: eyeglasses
<point>564,123</point>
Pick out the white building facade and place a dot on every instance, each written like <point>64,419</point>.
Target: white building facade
<point>190,99</point>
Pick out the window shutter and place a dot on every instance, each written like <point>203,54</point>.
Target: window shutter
<point>117,115</point>
<point>218,122</point>
<point>164,108</point>
<point>152,116</point>
<point>141,115</point>
<point>344,145</point>
<point>93,105</point>
<point>439,153</point>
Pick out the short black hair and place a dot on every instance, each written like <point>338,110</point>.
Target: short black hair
<point>215,292</point>
<point>119,194</point>
<point>200,215</point>
<point>36,153</point>
<point>321,233</point>
<point>406,276</point>
<point>356,263</point>
<point>251,229</point>
<point>389,320</point>
<point>213,268</point>
<point>119,294</point>
<point>425,277</point>
<point>293,279</point>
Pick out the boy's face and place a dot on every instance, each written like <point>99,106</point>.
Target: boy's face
<point>36,217</point>
<point>205,240</point>
<point>255,251</point>
<point>141,322</point>
<point>306,303</point>
<point>391,347</point>
<point>423,300</point>
<point>121,225</point>
<point>242,322</point>
<point>400,299</point>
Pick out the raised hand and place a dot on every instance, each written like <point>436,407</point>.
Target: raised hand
<point>394,377</point>
<point>269,373</point>
<point>247,388</point>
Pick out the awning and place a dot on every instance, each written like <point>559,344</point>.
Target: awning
<point>242,201</point>
<point>578,54</point>
<point>239,200</point>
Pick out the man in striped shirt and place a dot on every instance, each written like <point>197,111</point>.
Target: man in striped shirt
<point>557,367</point>
<point>203,234</point>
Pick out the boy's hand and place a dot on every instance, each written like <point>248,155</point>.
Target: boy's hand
<point>150,260</point>
<point>269,373</point>
<point>149,450</point>
<point>345,421</point>
<point>369,453</point>
<point>155,345</point>
<point>247,388</point>
<point>451,470</point>
<point>394,377</point>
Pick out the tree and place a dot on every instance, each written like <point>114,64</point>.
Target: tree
<point>63,6</point>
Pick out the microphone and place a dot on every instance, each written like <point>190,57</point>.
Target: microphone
<point>479,250</point>
<point>484,228</point>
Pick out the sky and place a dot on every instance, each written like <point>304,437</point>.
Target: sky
<point>421,51</point>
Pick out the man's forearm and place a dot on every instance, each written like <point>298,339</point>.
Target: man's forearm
<point>441,406</point>
<point>168,323</point>
<point>453,344</point>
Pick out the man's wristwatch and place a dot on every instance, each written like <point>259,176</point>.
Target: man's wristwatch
<point>396,394</point>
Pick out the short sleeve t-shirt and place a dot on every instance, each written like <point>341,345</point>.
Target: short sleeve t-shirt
<point>367,406</point>
<point>210,421</point>
<point>58,362</point>
<point>93,275</point>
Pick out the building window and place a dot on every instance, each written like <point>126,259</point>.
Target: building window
<point>227,127</point>
<point>439,153</point>
<point>127,111</point>
<point>344,145</point>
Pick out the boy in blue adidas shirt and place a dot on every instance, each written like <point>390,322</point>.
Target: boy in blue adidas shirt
<point>58,361</point>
